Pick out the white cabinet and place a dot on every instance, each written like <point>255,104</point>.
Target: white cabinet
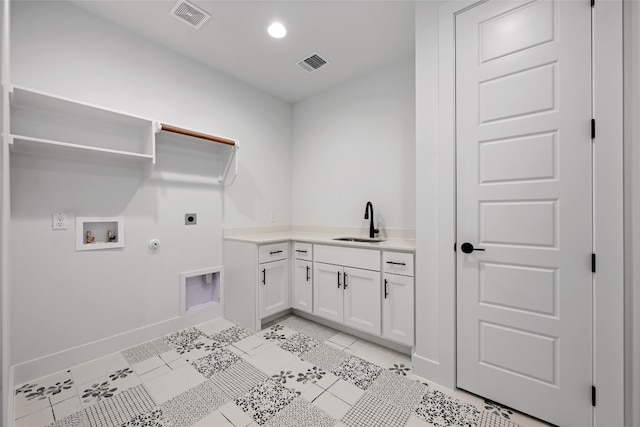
<point>274,279</point>
<point>344,293</point>
<point>398,297</point>
<point>302,291</point>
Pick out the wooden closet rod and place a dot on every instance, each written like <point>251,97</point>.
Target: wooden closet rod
<point>186,132</point>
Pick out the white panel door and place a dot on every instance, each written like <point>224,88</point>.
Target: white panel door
<point>397,308</point>
<point>523,111</point>
<point>362,299</point>
<point>328,295</point>
<point>274,288</point>
<point>303,285</point>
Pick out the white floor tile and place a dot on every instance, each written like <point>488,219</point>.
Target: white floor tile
<point>272,360</point>
<point>257,350</point>
<point>169,356</point>
<point>173,383</point>
<point>155,373</point>
<point>332,405</point>
<point>414,421</point>
<point>343,339</point>
<point>32,407</point>
<point>376,354</point>
<point>98,368</point>
<point>59,377</point>
<point>312,393</point>
<point>236,415</point>
<point>215,326</point>
<point>178,363</point>
<point>346,391</point>
<point>41,418</point>
<point>250,343</point>
<point>67,407</point>
<point>334,345</point>
<point>214,419</point>
<point>147,365</point>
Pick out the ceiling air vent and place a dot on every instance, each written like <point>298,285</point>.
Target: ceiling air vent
<point>190,14</point>
<point>312,62</point>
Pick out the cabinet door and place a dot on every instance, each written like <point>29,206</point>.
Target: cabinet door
<point>274,290</point>
<point>327,291</point>
<point>362,300</point>
<point>397,308</point>
<point>303,286</point>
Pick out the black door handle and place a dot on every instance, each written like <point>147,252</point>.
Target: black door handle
<point>345,281</point>
<point>264,276</point>
<point>339,284</point>
<point>308,268</point>
<point>467,248</point>
<point>385,289</point>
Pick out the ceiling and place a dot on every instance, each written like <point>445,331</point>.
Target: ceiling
<point>355,37</point>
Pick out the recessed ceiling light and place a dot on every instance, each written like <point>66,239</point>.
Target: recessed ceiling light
<point>277,30</point>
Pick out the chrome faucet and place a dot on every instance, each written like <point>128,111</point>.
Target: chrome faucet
<point>372,229</point>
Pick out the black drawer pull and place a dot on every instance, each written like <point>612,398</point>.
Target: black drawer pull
<point>396,263</point>
<point>301,251</point>
<point>275,252</point>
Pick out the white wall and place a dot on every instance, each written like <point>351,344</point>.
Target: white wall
<point>355,143</point>
<point>62,298</point>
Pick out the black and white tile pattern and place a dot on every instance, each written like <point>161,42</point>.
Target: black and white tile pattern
<point>372,411</point>
<point>120,408</point>
<point>154,418</point>
<point>265,400</point>
<point>298,344</point>
<point>216,362</point>
<point>358,372</point>
<point>184,337</point>
<point>238,379</point>
<point>142,352</point>
<point>271,377</point>
<point>397,391</point>
<point>325,356</point>
<point>231,335</point>
<point>441,410</point>
<point>301,413</point>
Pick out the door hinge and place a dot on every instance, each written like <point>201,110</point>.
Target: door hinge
<point>593,395</point>
<point>593,128</point>
<point>593,263</point>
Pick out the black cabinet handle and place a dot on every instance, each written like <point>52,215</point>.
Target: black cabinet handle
<point>339,284</point>
<point>300,250</point>
<point>345,281</point>
<point>308,270</point>
<point>396,263</point>
<point>385,288</point>
<point>264,276</point>
<point>275,252</point>
<point>467,248</point>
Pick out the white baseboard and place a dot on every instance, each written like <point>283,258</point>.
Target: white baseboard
<point>45,365</point>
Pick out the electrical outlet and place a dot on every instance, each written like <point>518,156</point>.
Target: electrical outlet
<point>59,221</point>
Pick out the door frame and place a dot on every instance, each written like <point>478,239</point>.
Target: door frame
<point>608,290</point>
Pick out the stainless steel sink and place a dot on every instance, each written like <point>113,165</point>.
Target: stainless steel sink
<point>359,239</point>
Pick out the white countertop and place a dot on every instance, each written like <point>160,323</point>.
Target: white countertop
<point>396,244</point>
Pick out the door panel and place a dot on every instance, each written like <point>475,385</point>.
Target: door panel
<point>327,296</point>
<point>302,286</point>
<point>362,300</point>
<point>274,295</point>
<point>523,111</point>
<point>397,308</point>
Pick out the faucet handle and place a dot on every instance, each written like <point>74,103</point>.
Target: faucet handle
<point>376,231</point>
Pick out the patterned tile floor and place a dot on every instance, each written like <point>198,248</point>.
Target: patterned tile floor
<point>295,373</point>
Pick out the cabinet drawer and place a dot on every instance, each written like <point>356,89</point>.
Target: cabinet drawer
<point>398,263</point>
<point>367,259</point>
<point>303,250</point>
<point>274,252</point>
